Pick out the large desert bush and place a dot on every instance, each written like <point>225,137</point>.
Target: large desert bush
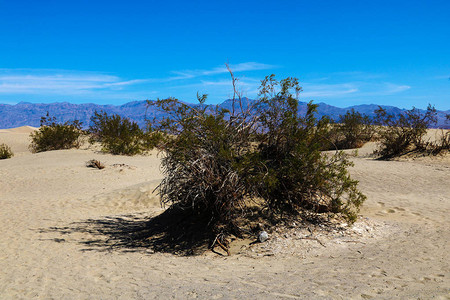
<point>403,133</point>
<point>53,135</point>
<point>216,161</point>
<point>5,151</point>
<point>119,135</point>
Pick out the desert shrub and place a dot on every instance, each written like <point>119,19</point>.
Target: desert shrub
<point>444,142</point>
<point>295,174</point>
<point>217,161</point>
<point>440,145</point>
<point>5,151</point>
<point>55,136</point>
<point>404,132</point>
<point>119,135</point>
<point>203,153</point>
<point>352,130</point>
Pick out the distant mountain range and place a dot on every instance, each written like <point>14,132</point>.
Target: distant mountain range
<point>25,113</point>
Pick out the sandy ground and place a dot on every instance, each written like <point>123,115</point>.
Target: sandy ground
<point>398,249</point>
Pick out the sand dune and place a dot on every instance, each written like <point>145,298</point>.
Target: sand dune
<point>17,138</point>
<point>22,129</point>
<point>399,248</point>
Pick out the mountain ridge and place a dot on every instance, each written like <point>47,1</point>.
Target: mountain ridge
<point>29,114</point>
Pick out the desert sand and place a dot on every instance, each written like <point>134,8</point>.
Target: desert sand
<point>398,249</point>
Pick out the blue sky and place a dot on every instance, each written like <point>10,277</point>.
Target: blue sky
<point>112,52</point>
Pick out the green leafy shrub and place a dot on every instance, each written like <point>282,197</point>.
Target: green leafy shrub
<point>403,133</point>
<point>55,136</point>
<point>296,175</point>
<point>119,135</point>
<point>5,151</point>
<point>352,130</point>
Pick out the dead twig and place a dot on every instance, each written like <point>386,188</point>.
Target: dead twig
<point>218,242</point>
<point>93,163</point>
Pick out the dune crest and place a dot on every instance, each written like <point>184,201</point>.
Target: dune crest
<point>21,129</point>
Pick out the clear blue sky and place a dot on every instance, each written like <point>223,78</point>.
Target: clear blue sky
<point>111,52</point>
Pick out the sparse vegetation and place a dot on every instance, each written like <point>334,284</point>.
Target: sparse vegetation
<point>440,145</point>
<point>293,174</point>
<point>5,151</point>
<point>352,130</point>
<point>403,133</point>
<point>220,165</point>
<point>203,155</point>
<point>53,135</point>
<point>119,135</point>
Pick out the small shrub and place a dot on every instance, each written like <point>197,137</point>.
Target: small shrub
<point>444,142</point>
<point>352,130</point>
<point>403,133</point>
<point>119,135</point>
<point>55,136</point>
<point>5,151</point>
<point>440,145</point>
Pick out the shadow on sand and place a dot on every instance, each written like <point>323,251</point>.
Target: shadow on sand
<point>176,231</point>
<point>173,231</point>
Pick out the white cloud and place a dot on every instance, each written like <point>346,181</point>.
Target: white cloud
<point>328,90</point>
<point>14,82</point>
<point>72,84</point>
<point>66,84</point>
<point>391,88</point>
<point>241,67</point>
<point>353,89</point>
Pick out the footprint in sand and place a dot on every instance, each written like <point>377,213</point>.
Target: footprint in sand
<point>386,211</point>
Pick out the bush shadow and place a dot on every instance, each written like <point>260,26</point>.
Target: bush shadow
<point>174,231</point>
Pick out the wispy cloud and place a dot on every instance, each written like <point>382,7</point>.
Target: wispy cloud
<point>328,90</point>
<point>391,88</point>
<point>64,82</point>
<point>241,67</point>
<point>354,89</point>
<point>123,83</point>
<point>72,84</point>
